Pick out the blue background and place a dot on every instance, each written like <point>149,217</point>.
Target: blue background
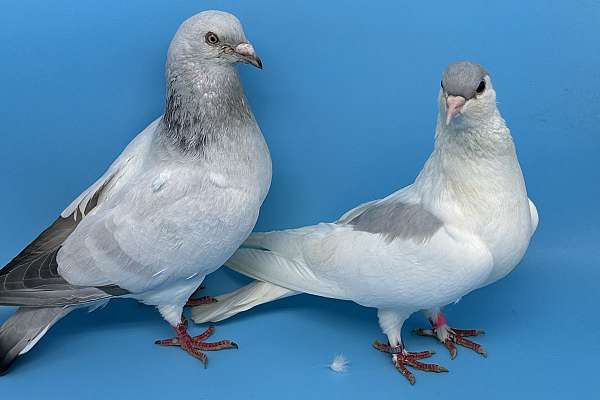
<point>347,104</point>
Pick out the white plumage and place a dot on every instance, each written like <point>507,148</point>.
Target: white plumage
<point>159,244</point>
<point>464,223</point>
<point>339,363</point>
<point>171,209</point>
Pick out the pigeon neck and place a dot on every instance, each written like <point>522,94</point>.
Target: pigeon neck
<point>202,104</point>
<point>473,166</point>
<point>472,141</point>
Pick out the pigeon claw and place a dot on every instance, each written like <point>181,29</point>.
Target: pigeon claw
<point>403,359</point>
<point>194,345</point>
<point>200,300</point>
<point>451,336</point>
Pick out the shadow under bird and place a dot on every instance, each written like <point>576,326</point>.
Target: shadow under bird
<point>464,223</point>
<point>171,209</point>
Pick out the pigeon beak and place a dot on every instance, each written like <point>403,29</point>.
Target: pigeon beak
<point>247,55</point>
<point>454,105</point>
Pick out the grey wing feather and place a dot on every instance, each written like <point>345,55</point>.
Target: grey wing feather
<point>398,220</point>
<point>398,216</point>
<point>23,329</point>
<point>32,278</point>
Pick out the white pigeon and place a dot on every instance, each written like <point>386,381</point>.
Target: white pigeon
<point>171,209</point>
<point>464,223</point>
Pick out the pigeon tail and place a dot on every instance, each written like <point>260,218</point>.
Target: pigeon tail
<point>23,330</point>
<point>245,298</point>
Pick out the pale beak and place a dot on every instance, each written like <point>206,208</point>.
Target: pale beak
<point>454,105</point>
<point>248,55</point>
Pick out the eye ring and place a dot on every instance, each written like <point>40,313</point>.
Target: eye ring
<point>211,38</point>
<point>481,87</point>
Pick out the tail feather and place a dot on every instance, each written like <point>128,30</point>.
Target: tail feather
<point>22,330</point>
<point>274,260</point>
<point>245,298</point>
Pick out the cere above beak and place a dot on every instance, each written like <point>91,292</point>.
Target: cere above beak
<point>248,55</point>
<point>454,105</point>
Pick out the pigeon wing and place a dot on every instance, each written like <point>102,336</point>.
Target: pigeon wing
<point>32,277</point>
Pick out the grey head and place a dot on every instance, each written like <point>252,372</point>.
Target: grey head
<point>464,78</point>
<point>467,90</point>
<point>212,38</point>
<point>205,98</point>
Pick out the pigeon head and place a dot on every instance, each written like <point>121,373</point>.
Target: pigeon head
<point>466,93</point>
<point>212,38</point>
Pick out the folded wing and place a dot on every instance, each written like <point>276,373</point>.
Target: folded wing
<point>32,278</point>
<point>387,250</point>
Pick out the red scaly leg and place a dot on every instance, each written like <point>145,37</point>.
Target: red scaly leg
<point>402,358</point>
<point>193,345</point>
<point>451,336</point>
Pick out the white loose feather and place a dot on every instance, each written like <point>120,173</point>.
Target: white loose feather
<point>339,363</point>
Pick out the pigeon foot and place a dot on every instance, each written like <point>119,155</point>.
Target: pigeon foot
<point>402,358</point>
<point>451,336</point>
<point>194,345</point>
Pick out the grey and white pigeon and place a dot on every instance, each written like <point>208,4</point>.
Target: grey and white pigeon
<point>464,223</point>
<point>171,209</point>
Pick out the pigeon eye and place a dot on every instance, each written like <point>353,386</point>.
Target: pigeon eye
<point>211,38</point>
<point>481,87</point>
<point>442,84</point>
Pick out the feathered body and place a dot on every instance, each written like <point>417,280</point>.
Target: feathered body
<point>472,184</point>
<point>171,209</point>
<point>193,200</point>
<point>464,223</point>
